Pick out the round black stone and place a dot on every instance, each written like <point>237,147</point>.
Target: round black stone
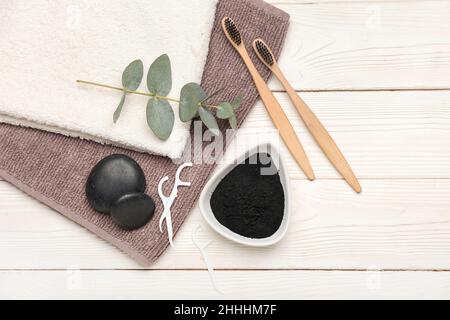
<point>133,211</point>
<point>112,178</point>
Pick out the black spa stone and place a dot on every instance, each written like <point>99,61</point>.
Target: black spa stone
<point>111,178</point>
<point>133,211</point>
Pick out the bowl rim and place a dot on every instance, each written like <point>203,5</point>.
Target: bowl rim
<point>213,182</point>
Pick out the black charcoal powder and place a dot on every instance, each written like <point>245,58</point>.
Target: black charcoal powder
<point>250,200</point>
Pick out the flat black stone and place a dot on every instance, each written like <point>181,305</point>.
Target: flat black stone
<point>133,211</point>
<point>111,178</point>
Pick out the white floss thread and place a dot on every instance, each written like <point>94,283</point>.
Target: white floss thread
<point>206,259</point>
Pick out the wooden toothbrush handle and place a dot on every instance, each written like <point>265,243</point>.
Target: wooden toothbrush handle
<point>280,120</point>
<point>321,135</point>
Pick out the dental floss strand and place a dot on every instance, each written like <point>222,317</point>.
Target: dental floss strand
<point>205,257</point>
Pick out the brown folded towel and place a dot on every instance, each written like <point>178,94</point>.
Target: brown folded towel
<point>53,168</point>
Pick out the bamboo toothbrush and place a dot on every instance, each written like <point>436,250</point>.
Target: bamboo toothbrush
<point>314,125</point>
<point>277,114</point>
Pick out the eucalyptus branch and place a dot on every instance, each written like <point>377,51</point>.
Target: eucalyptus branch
<point>160,114</point>
<point>146,94</point>
<point>95,84</point>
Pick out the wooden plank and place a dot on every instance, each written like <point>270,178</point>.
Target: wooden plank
<point>395,225</point>
<point>235,285</point>
<point>365,45</point>
<point>384,135</point>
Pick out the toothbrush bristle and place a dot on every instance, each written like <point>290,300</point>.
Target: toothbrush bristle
<point>264,52</point>
<point>233,31</point>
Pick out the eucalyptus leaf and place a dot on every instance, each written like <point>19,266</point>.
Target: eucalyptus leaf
<point>191,96</point>
<point>233,122</point>
<point>159,78</point>
<point>119,108</point>
<point>132,76</point>
<point>160,118</point>
<point>225,111</point>
<point>237,101</point>
<point>209,120</point>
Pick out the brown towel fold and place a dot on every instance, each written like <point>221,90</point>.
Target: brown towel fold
<point>53,168</point>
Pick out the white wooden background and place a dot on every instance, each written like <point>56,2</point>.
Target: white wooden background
<point>378,74</point>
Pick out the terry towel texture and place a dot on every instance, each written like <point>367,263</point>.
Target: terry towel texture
<point>53,168</point>
<point>46,45</point>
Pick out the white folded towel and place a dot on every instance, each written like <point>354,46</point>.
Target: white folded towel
<point>46,45</point>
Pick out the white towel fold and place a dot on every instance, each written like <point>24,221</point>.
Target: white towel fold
<point>46,45</point>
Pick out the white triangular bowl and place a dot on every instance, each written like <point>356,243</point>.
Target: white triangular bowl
<point>205,198</point>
